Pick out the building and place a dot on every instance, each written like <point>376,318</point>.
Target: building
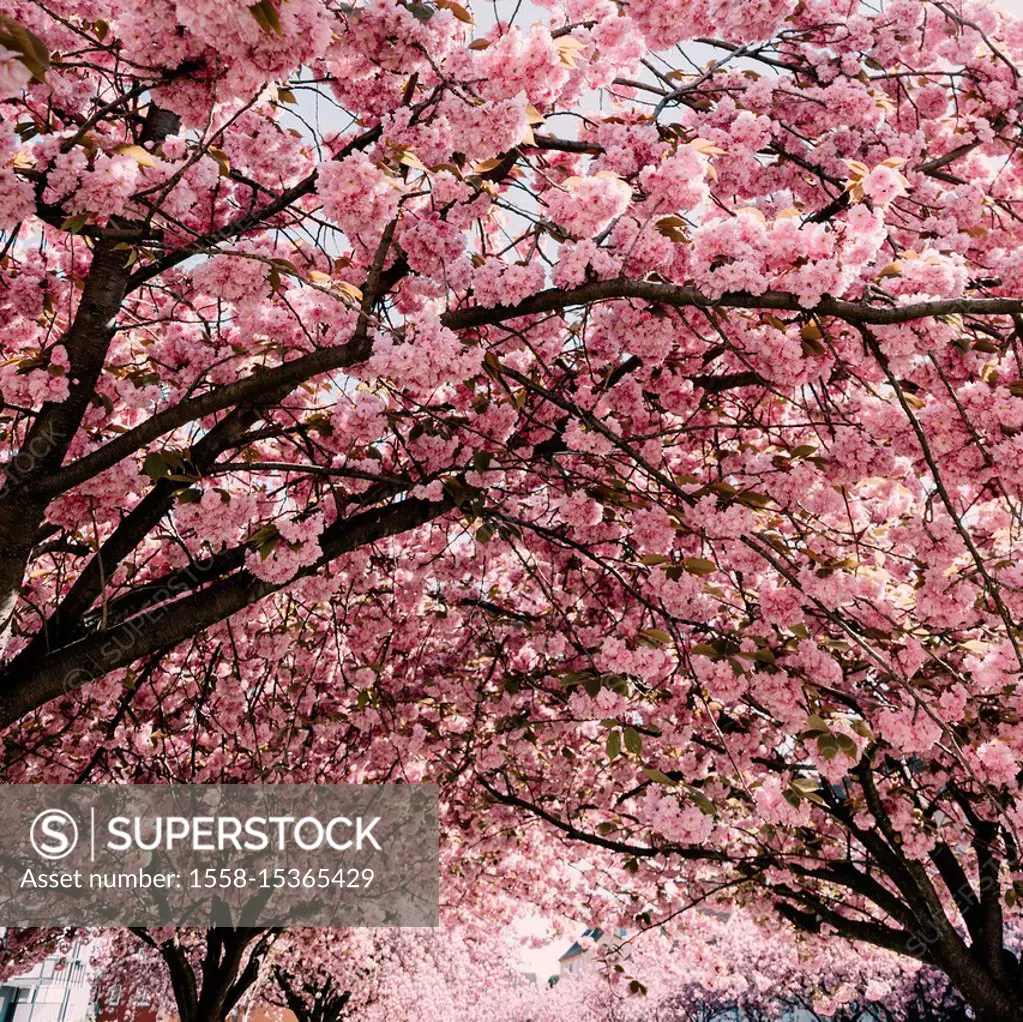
<point>583,952</point>
<point>62,989</point>
<point>57,990</point>
<point>118,1006</point>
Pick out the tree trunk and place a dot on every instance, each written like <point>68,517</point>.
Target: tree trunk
<point>86,341</point>
<point>230,966</point>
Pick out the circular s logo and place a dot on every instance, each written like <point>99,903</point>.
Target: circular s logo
<point>54,834</point>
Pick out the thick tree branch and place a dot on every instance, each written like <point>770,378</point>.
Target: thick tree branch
<point>33,685</point>
<point>256,386</point>
<point>48,439</point>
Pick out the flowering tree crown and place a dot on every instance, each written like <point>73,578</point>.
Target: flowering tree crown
<point>615,418</point>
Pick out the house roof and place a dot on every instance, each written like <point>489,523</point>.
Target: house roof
<point>577,949</point>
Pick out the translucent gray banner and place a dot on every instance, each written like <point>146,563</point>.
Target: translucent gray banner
<point>218,855</point>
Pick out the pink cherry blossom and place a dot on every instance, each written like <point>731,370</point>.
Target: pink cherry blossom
<point>611,413</point>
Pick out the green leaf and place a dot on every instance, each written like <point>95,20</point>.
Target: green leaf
<point>815,725</point>
<point>760,656</point>
<point>705,649</point>
<point>699,566</point>
<point>618,683</point>
<point>806,784</point>
<point>847,745</point>
<point>827,746</point>
<point>650,560</point>
<point>421,12</point>
<point>457,10</point>
<point>458,491</point>
<point>156,465</point>
<point>673,227</point>
<point>658,635</point>
<point>804,788</point>
<point>74,224</point>
<point>633,741</point>
<point>141,156</point>
<point>31,50</point>
<point>753,499</point>
<point>659,776</point>
<point>575,677</point>
<point>267,17</point>
<point>614,744</point>
<point>264,540</point>
<point>704,804</point>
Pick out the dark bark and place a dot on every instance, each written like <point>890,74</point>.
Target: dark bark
<point>230,965</point>
<point>254,388</point>
<point>316,1000</point>
<point>86,341</point>
<point>133,529</point>
<point>27,685</point>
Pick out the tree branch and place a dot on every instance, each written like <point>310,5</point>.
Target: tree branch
<point>256,386</point>
<point>33,685</point>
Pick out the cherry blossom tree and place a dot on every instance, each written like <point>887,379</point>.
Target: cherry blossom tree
<point>610,411</point>
<point>709,967</point>
<point>193,975</point>
<point>723,966</point>
<point>377,975</point>
<point>22,948</point>
<point>455,972</point>
<point>315,974</point>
